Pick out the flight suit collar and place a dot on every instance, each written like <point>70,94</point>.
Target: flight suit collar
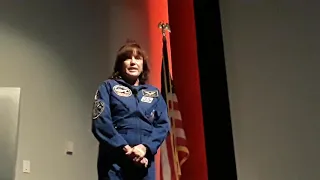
<point>139,87</point>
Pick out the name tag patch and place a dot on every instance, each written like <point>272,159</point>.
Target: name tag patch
<point>146,99</point>
<point>152,94</point>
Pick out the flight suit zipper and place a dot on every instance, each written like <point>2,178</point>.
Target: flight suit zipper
<point>135,92</point>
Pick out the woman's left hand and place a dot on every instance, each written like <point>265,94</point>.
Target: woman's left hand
<point>139,150</point>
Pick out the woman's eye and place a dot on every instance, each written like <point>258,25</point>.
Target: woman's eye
<point>138,58</point>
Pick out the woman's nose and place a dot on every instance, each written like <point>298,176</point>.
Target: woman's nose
<point>133,60</point>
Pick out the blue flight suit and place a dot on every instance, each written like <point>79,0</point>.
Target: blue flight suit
<point>128,115</point>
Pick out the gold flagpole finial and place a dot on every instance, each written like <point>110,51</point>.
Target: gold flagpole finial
<point>164,27</point>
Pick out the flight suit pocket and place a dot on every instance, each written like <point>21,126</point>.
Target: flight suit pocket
<point>146,132</point>
<point>145,135</point>
<point>132,137</point>
<point>150,115</point>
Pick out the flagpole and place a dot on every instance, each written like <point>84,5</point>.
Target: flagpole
<point>165,27</point>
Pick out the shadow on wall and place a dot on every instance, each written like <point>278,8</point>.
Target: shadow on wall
<point>77,32</point>
<point>58,52</point>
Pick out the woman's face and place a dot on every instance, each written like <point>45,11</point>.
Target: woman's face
<point>133,66</point>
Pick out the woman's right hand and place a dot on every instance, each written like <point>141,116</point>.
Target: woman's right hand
<point>129,152</point>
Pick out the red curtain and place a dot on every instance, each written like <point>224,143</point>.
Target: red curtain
<point>185,71</point>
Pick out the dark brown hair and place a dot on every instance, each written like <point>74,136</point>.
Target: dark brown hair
<point>127,51</point>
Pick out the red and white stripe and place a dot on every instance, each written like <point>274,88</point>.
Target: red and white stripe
<point>174,151</point>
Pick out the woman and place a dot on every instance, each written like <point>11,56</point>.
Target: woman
<point>130,119</point>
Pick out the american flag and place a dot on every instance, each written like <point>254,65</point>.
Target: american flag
<point>174,151</point>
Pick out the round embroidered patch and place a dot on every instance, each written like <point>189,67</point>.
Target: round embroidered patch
<point>122,91</point>
<point>98,109</point>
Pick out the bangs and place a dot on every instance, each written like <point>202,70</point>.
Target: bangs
<point>128,51</point>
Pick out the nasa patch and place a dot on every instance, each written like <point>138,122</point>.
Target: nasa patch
<point>122,91</point>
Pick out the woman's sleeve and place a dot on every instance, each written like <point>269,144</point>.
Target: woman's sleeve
<point>102,125</point>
